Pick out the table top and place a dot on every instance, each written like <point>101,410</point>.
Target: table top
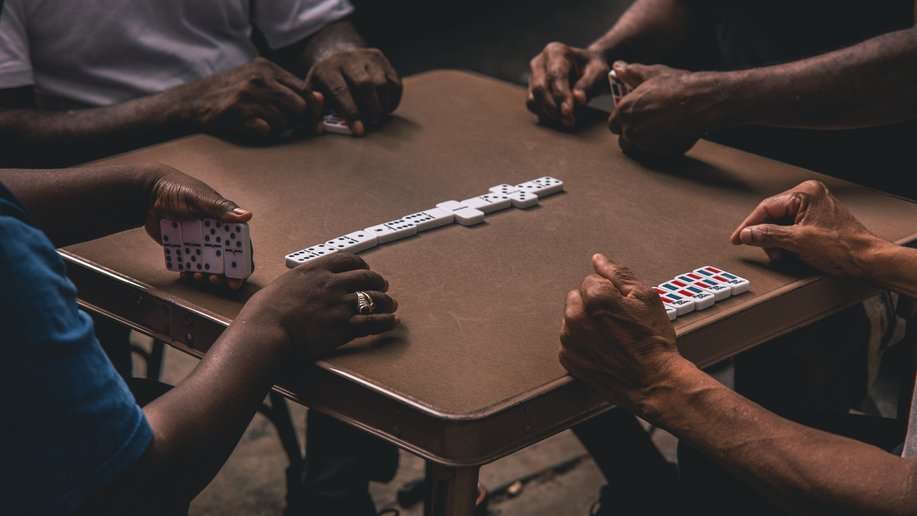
<point>473,373</point>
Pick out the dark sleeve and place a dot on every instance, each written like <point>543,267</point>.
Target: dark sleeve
<point>74,425</point>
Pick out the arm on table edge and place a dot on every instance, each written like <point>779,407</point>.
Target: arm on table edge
<point>801,469</point>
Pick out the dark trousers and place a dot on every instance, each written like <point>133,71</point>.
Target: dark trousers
<point>340,462</point>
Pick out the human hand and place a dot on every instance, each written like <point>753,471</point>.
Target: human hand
<point>177,196</point>
<point>316,304</point>
<point>358,82</point>
<point>668,110</point>
<point>616,336</point>
<point>808,222</point>
<point>563,77</point>
<point>252,102</point>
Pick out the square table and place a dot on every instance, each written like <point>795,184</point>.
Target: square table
<point>472,375</point>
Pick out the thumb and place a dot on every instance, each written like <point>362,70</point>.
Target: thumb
<point>769,235</point>
<point>591,82</point>
<point>634,75</point>
<point>214,205</point>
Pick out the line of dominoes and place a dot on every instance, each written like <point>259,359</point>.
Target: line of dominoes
<point>207,246</point>
<point>698,290</point>
<point>469,212</point>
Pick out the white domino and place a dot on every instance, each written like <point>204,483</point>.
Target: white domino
<point>171,244</point>
<point>355,242</point>
<point>489,203</point>
<point>335,123</point>
<point>430,219</point>
<point>300,257</point>
<point>212,256</point>
<point>543,186</point>
<point>391,231</point>
<point>504,188</point>
<point>310,253</point>
<point>523,200</point>
<point>736,284</point>
<point>464,214</point>
<point>702,299</point>
<point>192,244</point>
<point>237,250</point>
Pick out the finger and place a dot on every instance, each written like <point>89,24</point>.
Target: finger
<point>770,235</point>
<point>381,86</point>
<point>533,106</point>
<point>340,262</point>
<point>336,88</point>
<point>367,98</point>
<point>234,283</point>
<point>593,82</point>
<point>217,279</point>
<point>614,122</point>
<point>781,207</point>
<point>362,325</point>
<point>283,76</point>
<point>558,67</point>
<point>361,279</point>
<point>276,119</point>
<point>383,302</point>
<point>621,277</point>
<point>573,306</point>
<point>540,90</point>
<point>256,127</point>
<point>395,88</point>
<point>634,75</point>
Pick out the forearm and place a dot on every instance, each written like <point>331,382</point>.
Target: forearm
<point>863,85</point>
<point>893,267</point>
<point>79,204</point>
<point>197,424</point>
<point>653,31</point>
<point>30,137</point>
<point>300,57</point>
<point>802,469</point>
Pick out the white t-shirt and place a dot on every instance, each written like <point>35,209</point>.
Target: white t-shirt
<point>82,53</point>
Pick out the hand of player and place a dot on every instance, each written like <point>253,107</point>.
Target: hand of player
<point>251,102</point>
<point>316,305</point>
<point>808,222</point>
<point>668,109</point>
<point>178,196</point>
<point>564,77</point>
<point>359,83</point>
<point>616,336</point>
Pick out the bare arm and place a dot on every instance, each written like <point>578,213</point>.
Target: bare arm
<point>251,102</point>
<point>859,86</point>
<point>304,314</point>
<point>617,338</point>
<point>804,470</point>
<point>808,223</point>
<point>649,31</point>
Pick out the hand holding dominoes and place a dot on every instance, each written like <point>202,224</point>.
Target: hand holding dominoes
<point>674,110</point>
<point>469,212</point>
<point>201,232</point>
<point>562,78</point>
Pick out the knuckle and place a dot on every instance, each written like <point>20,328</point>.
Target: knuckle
<point>556,46</point>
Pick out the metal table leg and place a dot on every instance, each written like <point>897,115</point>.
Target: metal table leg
<point>450,491</point>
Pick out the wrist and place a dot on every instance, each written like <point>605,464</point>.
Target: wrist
<point>724,96</point>
<point>261,318</point>
<point>679,378</point>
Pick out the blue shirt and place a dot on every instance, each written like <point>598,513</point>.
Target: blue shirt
<point>70,426</point>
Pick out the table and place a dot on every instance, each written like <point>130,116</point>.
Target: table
<point>473,373</point>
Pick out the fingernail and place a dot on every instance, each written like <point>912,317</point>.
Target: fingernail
<point>358,127</point>
<point>745,235</point>
<point>239,211</point>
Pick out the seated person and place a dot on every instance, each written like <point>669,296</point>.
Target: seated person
<point>828,79</point>
<point>83,80</point>
<point>76,439</point>
<point>631,359</point>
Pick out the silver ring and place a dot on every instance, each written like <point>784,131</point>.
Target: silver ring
<point>365,303</point>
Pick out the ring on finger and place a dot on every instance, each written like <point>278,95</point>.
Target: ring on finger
<point>365,303</point>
